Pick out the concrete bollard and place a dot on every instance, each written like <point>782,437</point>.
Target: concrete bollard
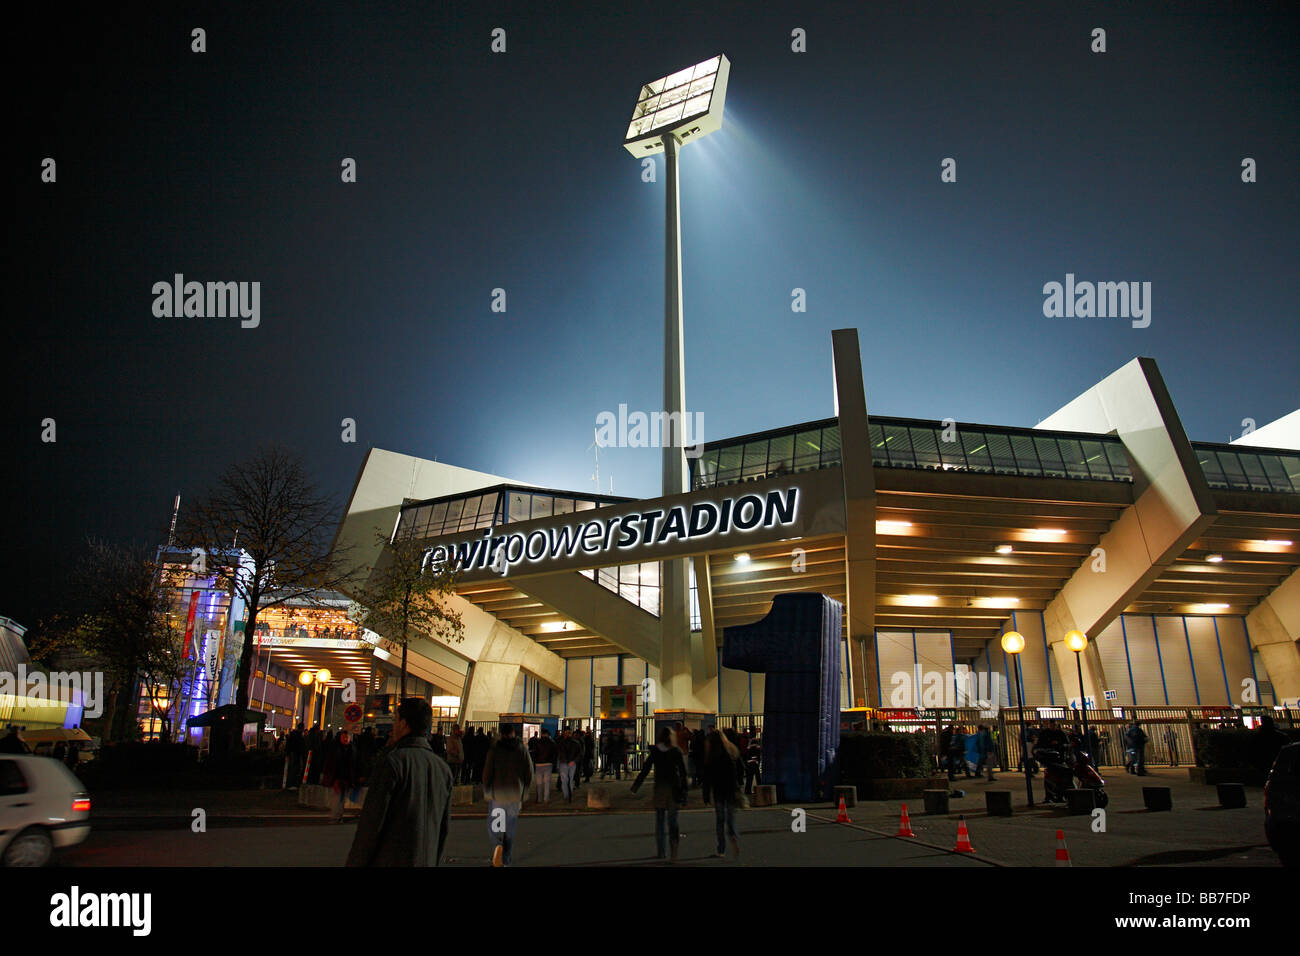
<point>1232,796</point>
<point>764,795</point>
<point>465,795</point>
<point>849,795</point>
<point>1081,801</point>
<point>936,801</point>
<point>598,798</point>
<point>1157,798</point>
<point>998,802</point>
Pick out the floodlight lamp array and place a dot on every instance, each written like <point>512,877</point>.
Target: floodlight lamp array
<point>686,103</point>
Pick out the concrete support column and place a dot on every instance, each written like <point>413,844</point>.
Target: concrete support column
<point>489,687</point>
<point>1274,627</point>
<point>859,516</point>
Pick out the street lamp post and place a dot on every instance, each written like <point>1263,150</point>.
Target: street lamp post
<point>1013,643</point>
<point>1077,641</point>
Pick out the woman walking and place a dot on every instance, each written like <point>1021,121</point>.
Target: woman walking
<point>670,790</point>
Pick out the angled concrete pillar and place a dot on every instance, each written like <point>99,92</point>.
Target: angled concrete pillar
<point>704,642</point>
<point>1274,627</point>
<point>859,515</point>
<point>1172,506</point>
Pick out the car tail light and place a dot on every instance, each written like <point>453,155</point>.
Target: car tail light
<point>81,803</point>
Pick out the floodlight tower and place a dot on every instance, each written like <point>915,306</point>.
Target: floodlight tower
<point>670,112</point>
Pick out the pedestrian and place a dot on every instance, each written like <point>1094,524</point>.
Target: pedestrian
<point>455,752</point>
<point>753,762</point>
<point>295,752</point>
<point>695,755</point>
<point>945,744</point>
<point>340,773</point>
<point>570,753</point>
<point>669,793</point>
<point>720,779</point>
<point>60,751</point>
<point>438,743</point>
<point>617,753</point>
<point>545,763</point>
<point>588,754</point>
<point>507,774</point>
<point>988,749</point>
<point>1135,739</point>
<point>408,805</point>
<point>957,753</point>
<point>1171,741</point>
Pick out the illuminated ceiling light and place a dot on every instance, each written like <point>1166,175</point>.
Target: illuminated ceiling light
<point>742,558</point>
<point>306,677</point>
<point>1214,558</point>
<point>1076,641</point>
<point>686,105</point>
<point>323,675</point>
<point>1013,642</point>
<point>918,600</point>
<point>1047,534</point>
<point>1209,608</point>
<point>892,527</point>
<point>1005,549</point>
<point>1278,542</point>
<point>996,602</point>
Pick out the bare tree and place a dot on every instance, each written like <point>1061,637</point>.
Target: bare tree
<point>404,597</point>
<point>266,531</point>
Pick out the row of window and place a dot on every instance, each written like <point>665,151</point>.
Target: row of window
<point>1239,470</point>
<point>485,511</point>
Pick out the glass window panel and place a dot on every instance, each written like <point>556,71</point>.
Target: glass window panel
<point>1022,446</point>
<point>542,506</point>
<point>564,506</point>
<point>1117,459</point>
<point>1232,470</point>
<point>976,446</point>
<point>680,77</point>
<point>1291,463</point>
<point>898,445</point>
<point>469,513</point>
<point>437,517</point>
<point>951,451</point>
<point>781,454</point>
<point>586,506</point>
<point>755,459</point>
<point>708,66</point>
<point>519,504</point>
<point>1004,462</point>
<point>1277,477</point>
<point>453,514</point>
<point>489,509</point>
<point>830,446</point>
<point>876,436</point>
<point>1254,471</point>
<point>925,445</point>
<point>1050,456</point>
<point>649,574</point>
<point>1210,467</point>
<point>1072,455</point>
<point>703,85</point>
<point>729,463</point>
<point>1094,456</point>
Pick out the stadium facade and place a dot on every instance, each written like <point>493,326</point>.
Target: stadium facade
<point>1177,558</point>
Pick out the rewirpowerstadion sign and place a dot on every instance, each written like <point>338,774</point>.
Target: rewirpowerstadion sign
<point>700,521</point>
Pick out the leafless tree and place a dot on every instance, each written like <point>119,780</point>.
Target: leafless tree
<point>265,530</point>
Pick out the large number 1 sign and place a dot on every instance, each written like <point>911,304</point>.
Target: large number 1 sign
<point>797,647</point>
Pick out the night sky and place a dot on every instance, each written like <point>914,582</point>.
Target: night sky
<point>478,170</point>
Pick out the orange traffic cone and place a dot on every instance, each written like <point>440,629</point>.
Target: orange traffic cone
<point>963,838</point>
<point>1062,854</point>
<point>904,825</point>
<point>844,813</point>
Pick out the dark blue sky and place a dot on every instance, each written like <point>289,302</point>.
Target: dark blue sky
<point>478,171</point>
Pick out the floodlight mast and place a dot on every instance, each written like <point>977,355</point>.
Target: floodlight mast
<point>670,112</point>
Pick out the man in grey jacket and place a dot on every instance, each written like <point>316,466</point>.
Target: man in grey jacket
<point>408,804</point>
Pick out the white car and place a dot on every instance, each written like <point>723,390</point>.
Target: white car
<point>42,806</point>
